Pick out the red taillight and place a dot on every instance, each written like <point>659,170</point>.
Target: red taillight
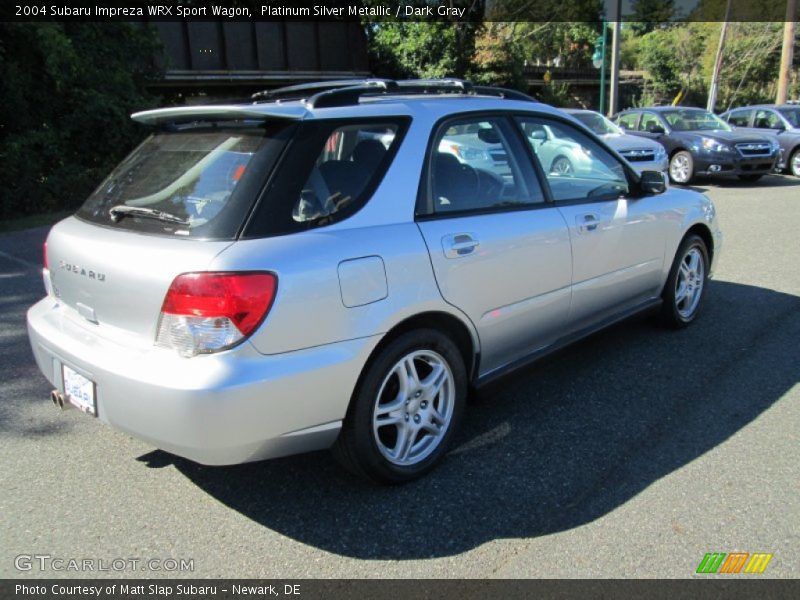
<point>244,298</point>
<point>44,256</point>
<point>209,312</point>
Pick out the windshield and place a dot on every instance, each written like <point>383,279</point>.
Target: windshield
<point>792,115</point>
<point>597,123</point>
<point>694,120</point>
<point>179,182</point>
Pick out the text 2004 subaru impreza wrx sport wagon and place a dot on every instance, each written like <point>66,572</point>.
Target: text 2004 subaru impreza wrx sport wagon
<point>333,265</point>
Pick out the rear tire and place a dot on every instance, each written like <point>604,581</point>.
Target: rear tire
<point>406,409</point>
<point>686,284</point>
<point>750,178</point>
<point>681,168</point>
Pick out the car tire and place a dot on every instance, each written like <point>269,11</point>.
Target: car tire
<point>794,163</point>
<point>681,168</point>
<point>562,166</point>
<point>686,284</point>
<point>405,410</point>
<point>750,178</point>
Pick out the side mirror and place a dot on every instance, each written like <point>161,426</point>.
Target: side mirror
<point>655,129</point>
<point>652,182</point>
<point>538,134</point>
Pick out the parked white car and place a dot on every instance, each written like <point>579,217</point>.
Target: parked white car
<point>643,154</point>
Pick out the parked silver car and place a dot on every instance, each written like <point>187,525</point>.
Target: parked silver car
<point>268,278</point>
<point>643,154</point>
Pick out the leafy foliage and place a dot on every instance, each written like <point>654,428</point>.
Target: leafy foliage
<point>64,115</point>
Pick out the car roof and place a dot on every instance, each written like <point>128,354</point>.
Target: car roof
<point>358,98</point>
<point>439,105</point>
<point>661,109</point>
<point>580,111</point>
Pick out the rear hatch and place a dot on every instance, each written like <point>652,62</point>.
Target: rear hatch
<point>118,279</point>
<point>170,207</point>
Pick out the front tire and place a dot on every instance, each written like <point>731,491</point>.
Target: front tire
<point>681,168</point>
<point>562,166</point>
<point>406,409</point>
<point>686,284</point>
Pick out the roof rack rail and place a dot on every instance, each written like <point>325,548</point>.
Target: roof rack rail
<point>346,92</point>
<point>508,94</point>
<point>304,90</point>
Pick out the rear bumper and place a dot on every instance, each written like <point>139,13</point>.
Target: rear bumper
<point>226,408</point>
<point>734,164</point>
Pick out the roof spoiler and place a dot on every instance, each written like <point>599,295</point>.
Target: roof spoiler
<point>178,114</point>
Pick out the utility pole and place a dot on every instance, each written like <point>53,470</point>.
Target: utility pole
<point>613,96</point>
<point>787,55</point>
<point>712,93</point>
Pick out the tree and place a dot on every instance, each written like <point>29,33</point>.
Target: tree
<point>401,48</point>
<point>647,15</point>
<point>64,114</point>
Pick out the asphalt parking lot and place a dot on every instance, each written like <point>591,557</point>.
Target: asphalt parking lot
<point>631,454</point>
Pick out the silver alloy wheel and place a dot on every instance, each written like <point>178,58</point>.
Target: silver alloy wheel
<point>562,166</point>
<point>414,408</point>
<point>679,168</point>
<point>795,166</point>
<point>689,283</point>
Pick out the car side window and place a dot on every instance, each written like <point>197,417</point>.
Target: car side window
<point>649,120</point>
<point>740,118</point>
<point>627,120</point>
<point>576,166</point>
<point>348,160</point>
<point>478,164</point>
<point>767,119</point>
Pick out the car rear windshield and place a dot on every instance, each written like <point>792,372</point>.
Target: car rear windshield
<point>197,181</point>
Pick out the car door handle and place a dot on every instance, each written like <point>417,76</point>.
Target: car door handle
<point>459,244</point>
<point>587,222</point>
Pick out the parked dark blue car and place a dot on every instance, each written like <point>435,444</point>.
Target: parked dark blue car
<point>700,143</point>
<point>782,121</point>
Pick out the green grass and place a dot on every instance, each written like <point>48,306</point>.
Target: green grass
<point>33,221</point>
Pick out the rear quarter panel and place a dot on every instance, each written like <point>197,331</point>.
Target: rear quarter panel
<point>309,309</point>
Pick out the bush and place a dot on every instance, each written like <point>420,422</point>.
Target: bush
<point>64,111</point>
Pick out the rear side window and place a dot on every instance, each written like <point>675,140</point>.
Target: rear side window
<point>198,181</point>
<point>329,171</point>
<point>344,167</point>
<point>478,164</point>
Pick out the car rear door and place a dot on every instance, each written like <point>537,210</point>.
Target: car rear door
<point>617,241</point>
<point>500,252</point>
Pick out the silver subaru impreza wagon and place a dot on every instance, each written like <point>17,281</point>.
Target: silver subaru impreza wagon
<point>339,264</point>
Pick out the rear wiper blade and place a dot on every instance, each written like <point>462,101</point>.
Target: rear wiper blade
<point>121,210</point>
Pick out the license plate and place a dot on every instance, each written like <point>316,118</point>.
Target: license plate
<point>79,391</point>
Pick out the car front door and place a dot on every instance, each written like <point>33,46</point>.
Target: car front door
<point>500,252</point>
<point>617,240</point>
